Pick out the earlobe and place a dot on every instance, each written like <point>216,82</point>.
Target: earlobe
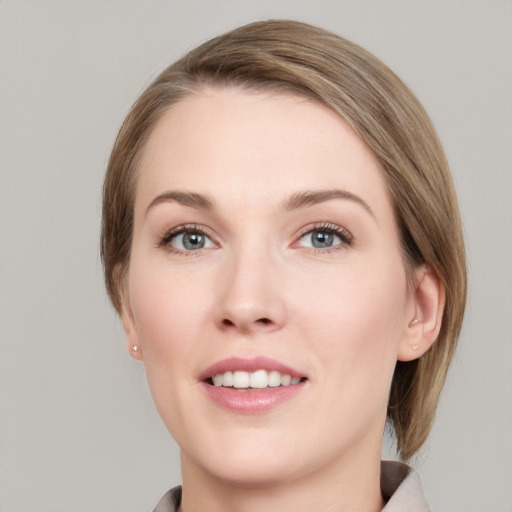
<point>129,326</point>
<point>428,305</point>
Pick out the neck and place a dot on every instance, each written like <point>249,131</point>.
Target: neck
<point>337,487</point>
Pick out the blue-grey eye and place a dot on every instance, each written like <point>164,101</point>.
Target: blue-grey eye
<point>191,241</point>
<point>319,239</point>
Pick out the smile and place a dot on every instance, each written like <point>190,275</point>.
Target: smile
<point>259,379</point>
<point>252,386</point>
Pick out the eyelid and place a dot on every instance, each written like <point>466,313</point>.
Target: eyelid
<point>344,234</point>
<point>167,237</point>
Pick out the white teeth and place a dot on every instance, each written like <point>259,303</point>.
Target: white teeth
<point>240,380</point>
<point>259,379</point>
<point>274,379</point>
<point>227,379</point>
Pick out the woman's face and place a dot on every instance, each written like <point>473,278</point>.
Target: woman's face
<point>265,254</point>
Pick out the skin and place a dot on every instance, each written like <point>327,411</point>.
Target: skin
<point>341,315</point>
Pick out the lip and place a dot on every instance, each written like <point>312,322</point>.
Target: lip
<point>248,365</point>
<point>250,401</point>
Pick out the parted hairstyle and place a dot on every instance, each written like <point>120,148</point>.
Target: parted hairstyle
<point>292,57</point>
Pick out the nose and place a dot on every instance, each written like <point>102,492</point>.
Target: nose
<point>251,298</point>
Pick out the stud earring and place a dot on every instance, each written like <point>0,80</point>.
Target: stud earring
<point>135,347</point>
<point>414,322</point>
<point>415,347</point>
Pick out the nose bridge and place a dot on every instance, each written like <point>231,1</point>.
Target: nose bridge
<point>251,298</point>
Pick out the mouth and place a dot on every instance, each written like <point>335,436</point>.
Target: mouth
<point>256,380</point>
<point>252,385</point>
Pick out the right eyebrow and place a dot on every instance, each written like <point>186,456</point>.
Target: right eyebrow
<point>190,199</point>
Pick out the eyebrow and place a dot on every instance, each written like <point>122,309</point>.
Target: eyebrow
<point>298,200</point>
<point>311,197</point>
<point>190,199</point>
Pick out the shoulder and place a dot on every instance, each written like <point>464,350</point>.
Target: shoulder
<point>170,502</point>
<point>401,488</point>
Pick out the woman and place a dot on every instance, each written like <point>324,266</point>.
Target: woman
<point>282,241</point>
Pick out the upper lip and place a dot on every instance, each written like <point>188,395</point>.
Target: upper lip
<point>248,365</point>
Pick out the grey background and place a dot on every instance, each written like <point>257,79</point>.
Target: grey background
<point>78,431</point>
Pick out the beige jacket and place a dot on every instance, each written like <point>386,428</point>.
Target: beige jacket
<point>400,487</point>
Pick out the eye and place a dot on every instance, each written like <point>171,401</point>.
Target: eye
<point>327,236</point>
<point>187,239</point>
<point>190,241</point>
<point>320,239</point>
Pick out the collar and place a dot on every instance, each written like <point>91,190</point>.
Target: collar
<point>401,488</point>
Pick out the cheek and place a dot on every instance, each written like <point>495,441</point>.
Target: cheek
<point>359,316</point>
<point>166,306</point>
<point>166,309</point>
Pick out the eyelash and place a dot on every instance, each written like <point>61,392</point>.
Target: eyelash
<point>179,230</point>
<point>325,227</point>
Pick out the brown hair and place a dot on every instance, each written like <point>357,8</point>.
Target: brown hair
<point>298,58</point>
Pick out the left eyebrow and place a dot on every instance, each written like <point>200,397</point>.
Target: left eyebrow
<point>308,198</point>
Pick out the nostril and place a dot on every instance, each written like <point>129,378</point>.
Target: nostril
<point>226,322</point>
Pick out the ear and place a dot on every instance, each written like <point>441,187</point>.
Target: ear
<point>129,325</point>
<point>424,324</point>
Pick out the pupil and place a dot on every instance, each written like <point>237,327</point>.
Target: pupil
<point>193,241</point>
<point>322,239</point>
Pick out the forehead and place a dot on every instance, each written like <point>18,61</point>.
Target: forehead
<point>234,143</point>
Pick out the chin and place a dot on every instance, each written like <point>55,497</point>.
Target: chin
<point>247,462</point>
<point>254,473</point>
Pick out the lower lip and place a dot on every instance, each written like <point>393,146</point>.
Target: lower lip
<point>252,401</point>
